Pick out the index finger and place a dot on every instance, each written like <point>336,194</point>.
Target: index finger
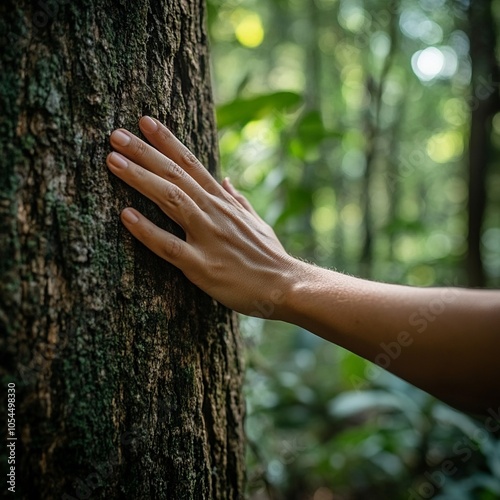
<point>166,142</point>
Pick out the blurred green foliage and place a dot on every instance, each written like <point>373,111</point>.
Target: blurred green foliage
<point>346,123</point>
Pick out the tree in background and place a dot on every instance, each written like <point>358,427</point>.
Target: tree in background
<point>127,377</point>
<point>484,103</point>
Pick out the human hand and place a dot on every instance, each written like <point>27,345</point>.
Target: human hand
<point>229,251</point>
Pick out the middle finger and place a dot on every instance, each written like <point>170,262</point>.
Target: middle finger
<point>167,195</point>
<point>151,159</point>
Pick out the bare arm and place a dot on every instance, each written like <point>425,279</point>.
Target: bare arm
<point>445,341</point>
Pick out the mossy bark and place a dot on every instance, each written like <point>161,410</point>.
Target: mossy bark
<point>128,378</point>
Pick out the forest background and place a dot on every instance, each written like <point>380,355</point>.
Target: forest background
<point>368,134</point>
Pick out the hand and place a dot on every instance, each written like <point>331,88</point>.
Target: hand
<point>229,251</point>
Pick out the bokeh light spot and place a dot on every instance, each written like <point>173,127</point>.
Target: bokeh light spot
<point>445,146</point>
<point>249,30</point>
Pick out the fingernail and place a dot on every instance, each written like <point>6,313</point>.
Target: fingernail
<point>130,217</point>
<point>117,160</point>
<point>148,124</point>
<point>121,138</point>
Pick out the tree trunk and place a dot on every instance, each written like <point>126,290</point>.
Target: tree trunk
<point>484,104</point>
<point>373,128</point>
<point>127,377</point>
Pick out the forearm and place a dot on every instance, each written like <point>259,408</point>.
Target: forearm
<point>443,340</point>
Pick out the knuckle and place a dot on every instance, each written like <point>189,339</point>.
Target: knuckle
<point>173,172</point>
<point>190,160</point>
<point>140,148</point>
<point>173,248</point>
<point>172,194</point>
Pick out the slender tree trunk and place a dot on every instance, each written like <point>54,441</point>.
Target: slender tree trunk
<point>484,103</point>
<point>373,126</point>
<point>127,377</point>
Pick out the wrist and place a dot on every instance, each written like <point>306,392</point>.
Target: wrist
<point>295,279</point>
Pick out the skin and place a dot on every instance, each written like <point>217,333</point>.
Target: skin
<point>444,340</point>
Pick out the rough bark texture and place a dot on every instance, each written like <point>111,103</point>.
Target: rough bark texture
<point>127,377</point>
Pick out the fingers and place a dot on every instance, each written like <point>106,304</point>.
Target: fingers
<point>162,139</point>
<point>162,243</point>
<point>169,197</point>
<point>226,184</point>
<point>150,158</point>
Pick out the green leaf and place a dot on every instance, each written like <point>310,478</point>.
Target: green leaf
<point>241,111</point>
<point>311,129</point>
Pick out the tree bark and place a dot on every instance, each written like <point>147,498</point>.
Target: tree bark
<point>127,377</point>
